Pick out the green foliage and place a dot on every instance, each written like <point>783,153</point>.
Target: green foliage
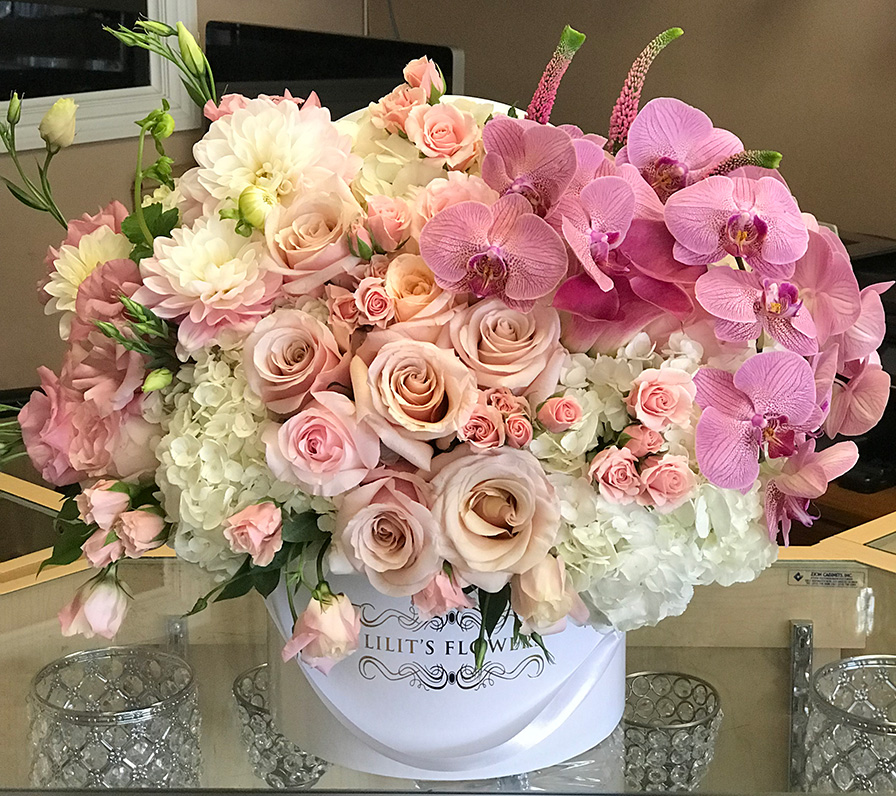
<point>73,532</point>
<point>302,528</point>
<point>159,222</point>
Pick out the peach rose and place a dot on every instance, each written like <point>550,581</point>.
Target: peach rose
<point>391,112</point>
<point>616,474</point>
<point>288,355</point>
<point>560,414</point>
<point>439,194</point>
<point>410,393</point>
<point>506,402</point>
<point>389,221</point>
<point>442,594</point>
<point>102,548</point>
<point>256,530</point>
<point>423,73</point>
<point>508,348</point>
<point>518,429</point>
<point>642,440</point>
<point>140,531</point>
<point>385,530</point>
<point>344,315</point>
<point>374,304</point>
<point>543,598</point>
<point>326,632</point>
<point>662,398</point>
<point>413,289</point>
<point>97,609</point>
<point>323,449</point>
<point>444,132</point>
<point>668,482</point>
<point>101,504</point>
<point>499,514</point>
<point>482,427</point>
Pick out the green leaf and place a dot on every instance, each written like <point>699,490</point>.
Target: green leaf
<point>19,194</point>
<point>236,587</point>
<point>493,607</point>
<point>73,532</point>
<point>200,605</point>
<point>301,527</point>
<point>195,95</point>
<point>265,581</point>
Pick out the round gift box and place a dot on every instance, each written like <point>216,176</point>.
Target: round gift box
<point>410,703</point>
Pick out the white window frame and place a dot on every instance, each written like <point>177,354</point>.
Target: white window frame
<point>110,114</point>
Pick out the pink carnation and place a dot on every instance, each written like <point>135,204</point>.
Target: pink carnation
<point>47,430</point>
<point>99,294</point>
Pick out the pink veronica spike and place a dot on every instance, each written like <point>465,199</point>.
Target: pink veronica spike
<point>539,109</point>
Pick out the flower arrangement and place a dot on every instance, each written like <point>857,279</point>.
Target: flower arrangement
<point>476,358</point>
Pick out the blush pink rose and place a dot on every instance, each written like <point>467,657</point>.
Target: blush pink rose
<point>288,355</point>
<point>385,530</point>
<point>98,296</point>
<point>662,398</point>
<point>375,307</point>
<point>445,133</point>
<point>389,221</point>
<point>102,548</point>
<point>543,598</point>
<point>97,609</point>
<point>46,423</point>
<point>616,474</point>
<point>140,531</point>
<point>256,530</point>
<point>423,73</point>
<point>642,440</point>
<point>344,315</point>
<point>102,505</point>
<point>323,448</point>
<point>326,632</point>
<point>132,455</point>
<point>391,112</point>
<point>482,427</point>
<point>442,594</point>
<point>377,267</point>
<point>560,414</point>
<point>439,194</point>
<point>506,402</point>
<point>518,429</point>
<point>668,481</point>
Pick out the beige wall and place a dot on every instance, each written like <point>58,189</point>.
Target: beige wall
<point>811,78</point>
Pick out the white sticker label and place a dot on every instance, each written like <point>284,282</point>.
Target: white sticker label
<point>834,578</point>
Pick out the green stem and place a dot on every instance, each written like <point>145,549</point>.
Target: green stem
<point>291,599</point>
<point>52,207</point>
<point>138,187</point>
<point>320,560</point>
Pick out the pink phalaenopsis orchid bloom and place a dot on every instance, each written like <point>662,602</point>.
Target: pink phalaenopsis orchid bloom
<point>757,220</point>
<point>674,145</point>
<point>529,159</point>
<point>858,406</point>
<point>805,476</point>
<point>863,337</point>
<point>504,250</point>
<point>767,405</point>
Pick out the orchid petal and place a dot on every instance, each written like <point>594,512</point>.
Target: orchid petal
<point>775,516</point>
<point>578,242</point>
<point>610,204</point>
<point>452,237</point>
<point>838,459</point>
<point>649,246</point>
<point>729,295</point>
<point>867,332</point>
<point>536,259</point>
<point>737,331</point>
<point>808,481</point>
<point>715,388</point>
<point>770,270</point>
<point>712,150</point>
<point>727,449</point>
<point>581,296</point>
<point>666,127</point>
<point>824,367</point>
<point>858,407</point>
<point>664,295</point>
<point>695,215</point>
<point>787,236</point>
<point>647,204</point>
<point>784,331</point>
<point>687,257</point>
<point>779,384</point>
<point>591,162</point>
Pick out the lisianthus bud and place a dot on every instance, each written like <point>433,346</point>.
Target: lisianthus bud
<point>157,379</point>
<point>159,28</point>
<point>14,109</point>
<point>164,126</point>
<point>194,60</point>
<point>255,203</point>
<point>57,127</point>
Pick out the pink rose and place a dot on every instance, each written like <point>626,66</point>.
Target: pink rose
<point>498,512</point>
<point>560,414</point>
<point>290,354</point>
<point>344,315</point>
<point>98,296</point>
<point>102,548</point>
<point>98,608</point>
<point>104,372</point>
<point>256,530</point>
<point>385,530</point>
<point>140,531</point>
<point>616,475</point>
<point>133,450</point>
<point>377,267</point>
<point>323,449</point>
<point>412,287</point>
<point>668,481</point>
<point>375,307</point>
<point>662,398</point>
<point>423,73</point>
<point>483,427</point>
<point>46,424</point>
<point>391,112</point>
<point>389,221</point>
<point>102,505</point>
<point>506,402</point>
<point>442,594</point>
<point>543,598</point>
<point>643,440</point>
<point>439,194</point>
<point>518,429</point>
<point>508,348</point>
<point>444,132</point>
<point>326,632</point>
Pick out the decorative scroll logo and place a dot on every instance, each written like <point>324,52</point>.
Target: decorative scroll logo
<point>465,620</point>
<point>436,678</point>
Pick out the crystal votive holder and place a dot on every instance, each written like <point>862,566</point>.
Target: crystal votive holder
<point>120,717</point>
<point>274,758</point>
<point>671,723</point>
<point>851,729</point>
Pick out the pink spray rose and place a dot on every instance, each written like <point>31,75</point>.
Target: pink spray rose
<point>518,429</point>
<point>102,548</point>
<point>98,608</point>
<point>668,482</point>
<point>543,598</point>
<point>326,632</point>
<point>423,73</point>
<point>662,398</point>
<point>506,402</point>
<point>344,315</point>
<point>616,475</point>
<point>389,221</point>
<point>482,427</point>
<point>140,531</point>
<point>391,112</point>
<point>444,132</point>
<point>47,430</point>
<point>256,530</point>
<point>642,440</point>
<point>442,594</point>
<point>101,504</point>
<point>374,304</point>
<point>560,414</point>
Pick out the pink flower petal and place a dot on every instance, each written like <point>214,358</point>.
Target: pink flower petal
<point>784,331</point>
<point>647,204</point>
<point>696,215</point>
<point>787,237</point>
<point>610,204</point>
<point>809,481</point>
<point>578,242</point>
<point>716,388</point>
<point>580,295</point>
<point>779,383</point>
<point>727,450</point>
<point>737,332</point>
<point>867,332</point>
<point>452,237</point>
<point>858,407</point>
<point>666,127</point>
<point>668,297</point>
<point>838,459</point>
<point>649,246</point>
<point>729,295</point>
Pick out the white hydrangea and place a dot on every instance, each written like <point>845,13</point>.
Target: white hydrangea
<point>212,460</point>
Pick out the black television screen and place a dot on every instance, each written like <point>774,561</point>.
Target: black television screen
<point>347,72</point>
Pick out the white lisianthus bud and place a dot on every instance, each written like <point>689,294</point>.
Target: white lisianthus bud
<point>194,60</point>
<point>57,127</point>
<point>255,203</point>
<point>14,109</point>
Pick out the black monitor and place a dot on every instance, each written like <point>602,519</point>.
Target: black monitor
<point>347,72</point>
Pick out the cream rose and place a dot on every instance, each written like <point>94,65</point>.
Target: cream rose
<point>412,392</point>
<point>542,597</point>
<point>416,296</point>
<point>499,514</point>
<point>289,354</point>
<point>507,348</point>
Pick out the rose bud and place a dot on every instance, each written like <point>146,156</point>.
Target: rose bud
<point>256,530</point>
<point>326,632</point>
<point>98,608</point>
